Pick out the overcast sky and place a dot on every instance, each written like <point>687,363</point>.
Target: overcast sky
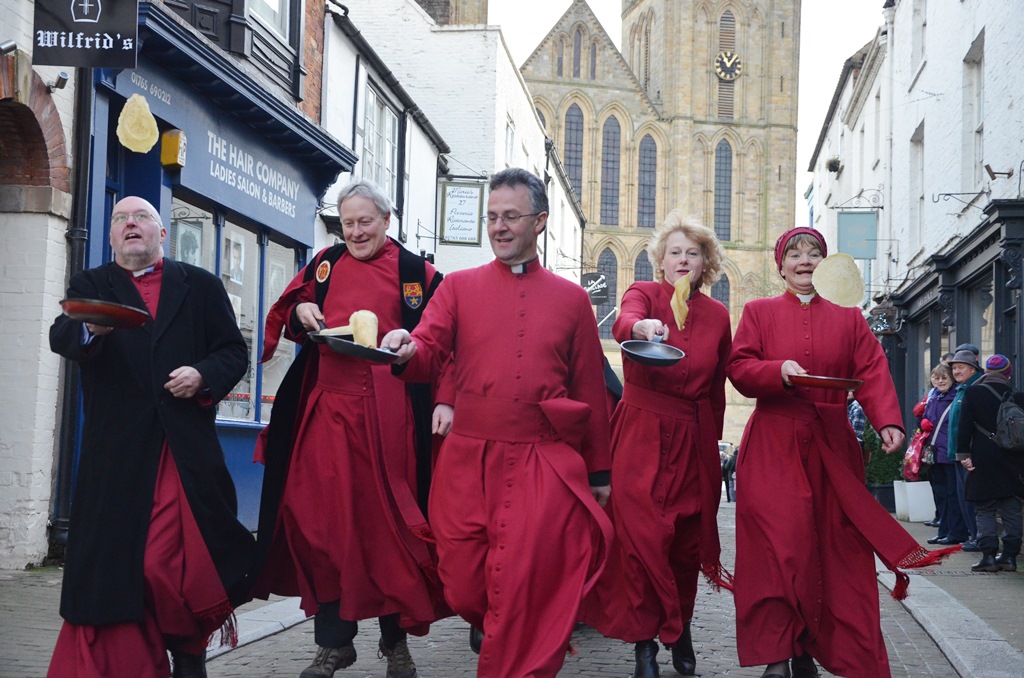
<point>830,33</point>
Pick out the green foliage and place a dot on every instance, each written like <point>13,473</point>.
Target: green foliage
<point>881,468</point>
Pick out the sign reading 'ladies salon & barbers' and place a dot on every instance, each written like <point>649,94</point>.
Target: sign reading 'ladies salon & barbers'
<point>90,33</point>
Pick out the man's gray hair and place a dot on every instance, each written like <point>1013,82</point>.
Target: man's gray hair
<point>517,176</point>
<point>366,189</point>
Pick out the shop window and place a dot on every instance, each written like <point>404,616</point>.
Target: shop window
<point>981,319</point>
<point>193,236</point>
<point>380,144</point>
<point>254,276</point>
<point>280,269</point>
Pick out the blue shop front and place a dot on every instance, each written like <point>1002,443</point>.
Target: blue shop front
<point>237,177</point>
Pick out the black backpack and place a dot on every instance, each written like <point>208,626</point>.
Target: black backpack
<point>1009,434</point>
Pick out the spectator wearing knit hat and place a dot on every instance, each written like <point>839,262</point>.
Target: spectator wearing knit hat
<point>995,478</point>
<point>966,371</point>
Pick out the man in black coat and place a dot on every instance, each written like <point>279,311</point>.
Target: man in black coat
<point>156,558</point>
<point>995,482</point>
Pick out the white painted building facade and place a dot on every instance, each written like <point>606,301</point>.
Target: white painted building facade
<point>926,128</point>
<point>35,214</point>
<point>466,82</point>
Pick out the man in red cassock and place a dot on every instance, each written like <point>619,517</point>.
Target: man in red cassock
<point>516,494</point>
<point>341,519</point>
<point>156,558</point>
<point>806,527</point>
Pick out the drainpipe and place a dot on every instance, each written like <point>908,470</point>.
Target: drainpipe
<point>77,236</point>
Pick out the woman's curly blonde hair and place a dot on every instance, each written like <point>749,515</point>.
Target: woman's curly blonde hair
<point>710,247</point>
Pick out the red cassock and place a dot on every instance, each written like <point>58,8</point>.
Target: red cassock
<point>666,472</point>
<point>339,526</point>
<point>806,526</point>
<point>519,536</point>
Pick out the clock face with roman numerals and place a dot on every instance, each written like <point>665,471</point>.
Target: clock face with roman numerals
<point>728,65</point>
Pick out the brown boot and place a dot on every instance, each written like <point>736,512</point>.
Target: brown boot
<point>330,659</point>
<point>400,663</point>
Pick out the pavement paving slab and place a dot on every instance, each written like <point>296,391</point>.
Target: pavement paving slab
<point>954,623</point>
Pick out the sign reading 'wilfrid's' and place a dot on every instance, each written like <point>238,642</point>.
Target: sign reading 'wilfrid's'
<point>91,33</point>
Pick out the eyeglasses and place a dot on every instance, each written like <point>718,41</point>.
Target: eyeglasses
<point>510,219</point>
<point>140,217</point>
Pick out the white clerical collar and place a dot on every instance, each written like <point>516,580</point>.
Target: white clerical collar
<point>805,298</point>
<point>144,271</point>
<point>522,268</point>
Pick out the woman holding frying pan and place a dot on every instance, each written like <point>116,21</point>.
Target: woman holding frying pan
<point>666,469</point>
<point>806,526</point>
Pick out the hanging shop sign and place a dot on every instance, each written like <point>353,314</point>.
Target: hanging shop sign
<point>596,285</point>
<point>89,33</point>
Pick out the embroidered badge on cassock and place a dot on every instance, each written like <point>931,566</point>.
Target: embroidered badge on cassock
<point>413,294</point>
<point>322,271</point>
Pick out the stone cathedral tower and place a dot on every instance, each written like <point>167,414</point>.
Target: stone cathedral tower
<point>697,112</point>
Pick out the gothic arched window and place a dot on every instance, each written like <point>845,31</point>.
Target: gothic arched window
<point>720,290</point>
<point>647,182</point>
<point>573,151</point>
<point>723,191</point>
<point>642,269</point>
<point>610,149</point>
<point>577,48</point>
<point>607,265</point>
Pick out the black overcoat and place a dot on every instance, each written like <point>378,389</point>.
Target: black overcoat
<point>997,474</point>
<point>128,415</point>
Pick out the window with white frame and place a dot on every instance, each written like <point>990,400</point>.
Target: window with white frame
<point>973,114</point>
<point>510,142</point>
<point>380,144</point>
<point>274,13</point>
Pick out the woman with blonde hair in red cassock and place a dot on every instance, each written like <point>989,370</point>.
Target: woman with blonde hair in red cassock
<point>666,469</point>
<point>806,527</point>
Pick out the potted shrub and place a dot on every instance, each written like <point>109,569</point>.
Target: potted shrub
<point>882,470</point>
<point>832,164</point>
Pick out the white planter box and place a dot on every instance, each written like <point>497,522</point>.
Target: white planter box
<point>914,501</point>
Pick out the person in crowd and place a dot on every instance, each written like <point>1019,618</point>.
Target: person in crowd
<point>666,468</point>
<point>341,520</point>
<point>995,483</point>
<point>934,481</point>
<point>806,527</point>
<point>966,371</point>
<point>156,558</point>
<point>520,479</point>
<point>942,474</point>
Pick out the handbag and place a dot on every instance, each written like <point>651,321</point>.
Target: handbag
<point>912,458</point>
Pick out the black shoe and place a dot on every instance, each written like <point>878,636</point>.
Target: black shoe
<point>986,564</point>
<point>948,541</point>
<point>476,639</point>
<point>804,667</point>
<point>969,545</point>
<point>188,665</point>
<point>936,540</point>
<point>1006,563</point>
<point>684,660</point>
<point>785,672</point>
<point>646,660</point>
<point>931,523</point>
